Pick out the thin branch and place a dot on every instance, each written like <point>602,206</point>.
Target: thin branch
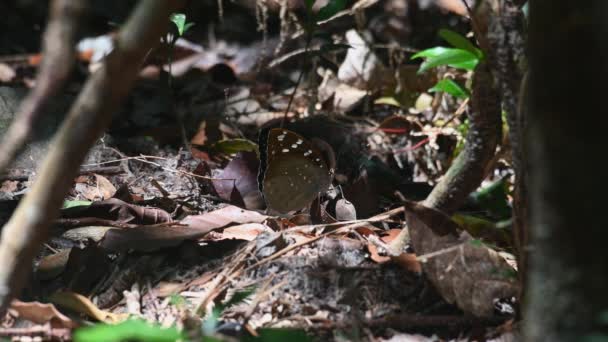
<point>57,62</point>
<point>89,116</point>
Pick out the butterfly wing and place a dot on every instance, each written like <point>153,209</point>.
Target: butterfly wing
<point>295,171</point>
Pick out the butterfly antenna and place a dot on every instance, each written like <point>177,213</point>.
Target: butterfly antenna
<point>295,89</point>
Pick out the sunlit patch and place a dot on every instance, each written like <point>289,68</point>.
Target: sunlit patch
<point>285,150</point>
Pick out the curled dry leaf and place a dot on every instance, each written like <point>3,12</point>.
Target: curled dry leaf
<point>41,313</point>
<point>241,174</point>
<point>151,238</point>
<point>53,265</point>
<point>82,304</point>
<point>117,210</point>
<point>464,272</point>
<point>105,187</point>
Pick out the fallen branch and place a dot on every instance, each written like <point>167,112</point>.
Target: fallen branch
<point>59,55</point>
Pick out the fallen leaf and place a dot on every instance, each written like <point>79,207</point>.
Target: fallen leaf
<point>9,186</point>
<point>105,188</point>
<point>347,98</point>
<point>117,210</point>
<point>464,272</point>
<point>223,217</point>
<point>42,313</point>
<point>82,304</point>
<point>53,265</point>
<point>247,232</point>
<point>151,238</point>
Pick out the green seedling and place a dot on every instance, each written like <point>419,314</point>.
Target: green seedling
<point>462,55</point>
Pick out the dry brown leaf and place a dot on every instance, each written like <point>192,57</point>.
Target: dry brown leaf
<point>151,238</point>
<point>464,272</point>
<point>117,210</point>
<point>82,304</point>
<point>41,313</point>
<point>223,217</point>
<point>9,186</point>
<point>247,232</point>
<point>53,265</point>
<point>105,189</point>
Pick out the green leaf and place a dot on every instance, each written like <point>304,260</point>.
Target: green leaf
<point>279,335</point>
<point>460,42</point>
<point>210,324</point>
<point>132,330</point>
<point>188,26</point>
<point>493,199</point>
<point>70,204</point>
<point>456,58</point>
<point>432,52</point>
<point>177,300</point>
<point>331,9</point>
<point>232,146</point>
<point>449,86</point>
<point>237,298</point>
<point>179,19</point>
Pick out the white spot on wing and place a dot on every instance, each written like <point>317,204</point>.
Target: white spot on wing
<point>285,150</point>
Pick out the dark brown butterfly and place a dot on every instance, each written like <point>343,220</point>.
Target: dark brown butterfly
<point>293,171</point>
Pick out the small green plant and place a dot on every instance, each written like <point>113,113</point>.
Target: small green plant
<point>211,322</point>
<point>179,19</point>
<point>140,331</point>
<point>462,55</point>
<point>182,26</point>
<point>177,300</point>
<point>130,330</point>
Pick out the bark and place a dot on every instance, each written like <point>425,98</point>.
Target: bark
<point>506,38</point>
<point>568,265</point>
<point>470,167</point>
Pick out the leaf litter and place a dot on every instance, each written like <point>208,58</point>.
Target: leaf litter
<point>174,232</point>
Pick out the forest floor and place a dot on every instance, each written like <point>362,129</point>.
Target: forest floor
<point>167,221</point>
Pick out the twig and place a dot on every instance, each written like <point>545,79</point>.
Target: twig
<point>59,56</point>
<point>295,88</point>
<point>142,159</point>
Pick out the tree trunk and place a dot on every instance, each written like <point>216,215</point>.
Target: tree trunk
<point>566,143</point>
